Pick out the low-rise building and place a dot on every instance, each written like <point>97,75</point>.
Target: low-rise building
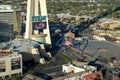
<point>116,63</point>
<point>10,20</point>
<point>99,38</point>
<point>10,63</point>
<point>110,24</point>
<point>67,68</point>
<point>74,72</point>
<point>112,34</point>
<point>94,76</point>
<point>112,74</point>
<point>32,77</point>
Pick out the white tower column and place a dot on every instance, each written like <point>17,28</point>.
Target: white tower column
<point>33,10</point>
<point>44,13</point>
<point>36,8</point>
<point>30,7</point>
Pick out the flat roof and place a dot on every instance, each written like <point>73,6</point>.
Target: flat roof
<point>8,11</point>
<point>5,53</point>
<point>21,45</point>
<point>10,56</point>
<point>70,75</point>
<point>32,77</point>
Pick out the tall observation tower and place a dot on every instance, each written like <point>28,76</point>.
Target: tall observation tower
<point>37,27</point>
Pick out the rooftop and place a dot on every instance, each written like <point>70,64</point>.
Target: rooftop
<point>19,45</point>
<point>94,75</point>
<point>32,77</point>
<point>68,76</point>
<point>7,53</point>
<point>7,8</point>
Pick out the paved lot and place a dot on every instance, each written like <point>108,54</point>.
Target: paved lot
<point>104,48</point>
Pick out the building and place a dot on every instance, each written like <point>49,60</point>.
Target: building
<point>110,24</point>
<point>75,72</point>
<point>67,72</point>
<point>81,1</point>
<point>94,76</point>
<point>112,74</point>
<point>116,63</point>
<point>10,63</point>
<point>36,55</point>
<point>71,76</point>
<point>29,49</point>
<point>32,77</point>
<point>10,20</point>
<point>111,34</point>
<point>67,68</point>
<point>99,38</point>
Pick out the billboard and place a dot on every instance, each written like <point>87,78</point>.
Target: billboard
<point>2,66</point>
<point>38,18</point>
<point>39,25</point>
<point>15,63</point>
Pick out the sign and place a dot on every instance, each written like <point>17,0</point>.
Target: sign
<point>2,66</point>
<point>39,25</point>
<point>38,18</point>
<point>68,42</point>
<point>15,63</point>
